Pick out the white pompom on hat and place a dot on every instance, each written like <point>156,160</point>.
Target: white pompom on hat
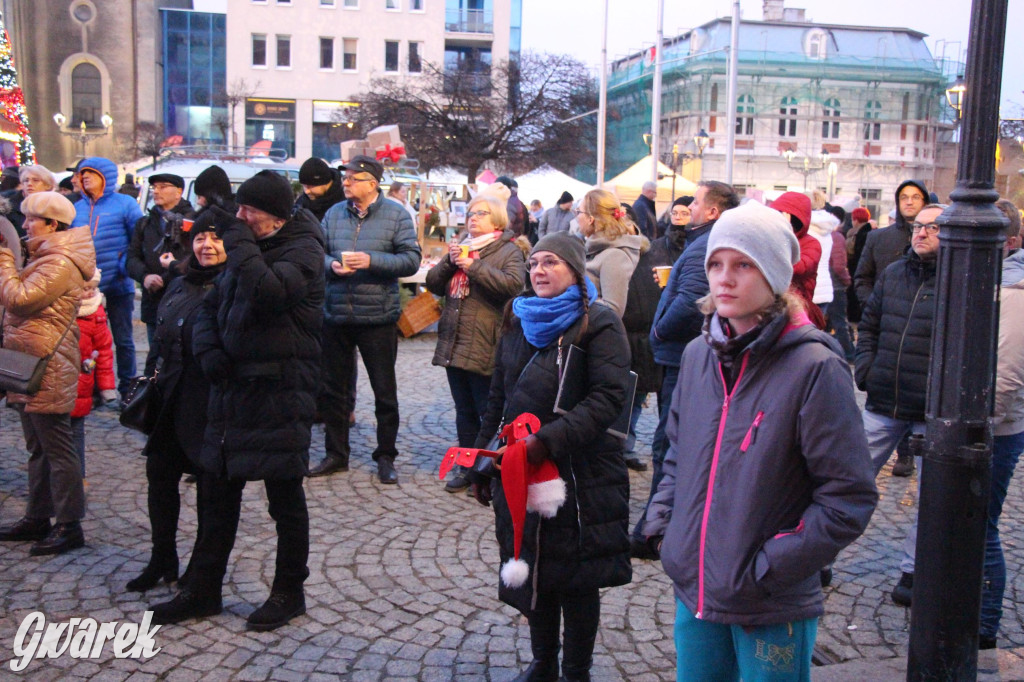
<point>528,488</point>
<point>762,235</point>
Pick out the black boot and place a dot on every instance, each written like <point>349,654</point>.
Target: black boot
<point>540,671</point>
<point>278,610</point>
<point>64,537</point>
<point>153,573</point>
<point>188,603</point>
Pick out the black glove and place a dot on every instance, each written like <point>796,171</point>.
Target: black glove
<point>222,220</point>
<point>482,493</point>
<point>536,451</point>
<point>216,365</point>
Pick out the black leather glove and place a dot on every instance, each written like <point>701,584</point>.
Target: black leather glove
<point>216,365</point>
<point>536,451</point>
<point>222,220</point>
<point>482,493</point>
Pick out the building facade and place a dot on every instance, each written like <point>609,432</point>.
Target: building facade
<point>858,109</point>
<point>300,64</point>
<point>194,47</point>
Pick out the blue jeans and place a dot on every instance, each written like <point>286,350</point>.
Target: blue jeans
<point>713,652</point>
<point>634,417</point>
<point>659,446</point>
<point>1005,453</point>
<point>469,391</point>
<point>119,315</point>
<point>884,434</point>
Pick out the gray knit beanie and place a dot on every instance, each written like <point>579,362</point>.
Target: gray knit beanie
<point>762,235</point>
<point>567,247</point>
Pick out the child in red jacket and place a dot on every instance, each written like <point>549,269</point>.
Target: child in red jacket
<point>96,345</point>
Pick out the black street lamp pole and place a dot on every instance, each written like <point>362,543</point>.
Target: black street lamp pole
<point>956,473</point>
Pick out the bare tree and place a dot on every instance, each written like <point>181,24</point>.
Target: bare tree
<point>513,113</point>
<point>237,92</point>
<point>221,122</point>
<point>149,140</point>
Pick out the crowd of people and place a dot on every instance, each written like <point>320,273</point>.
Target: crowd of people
<point>740,318</point>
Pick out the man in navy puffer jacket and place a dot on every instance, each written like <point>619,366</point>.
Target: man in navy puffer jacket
<point>111,218</point>
<point>370,243</point>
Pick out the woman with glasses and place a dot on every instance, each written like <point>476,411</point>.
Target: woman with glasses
<point>477,277</point>
<point>613,246</point>
<point>553,567</point>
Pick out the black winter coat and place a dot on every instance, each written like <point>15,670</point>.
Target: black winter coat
<point>884,247</point>
<point>894,339</point>
<point>183,388</point>
<point>258,340</point>
<point>320,205</point>
<point>369,296</point>
<point>641,304</point>
<point>467,332</point>
<point>154,236</point>
<point>586,545</point>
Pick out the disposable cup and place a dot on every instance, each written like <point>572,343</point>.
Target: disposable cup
<point>663,273</point>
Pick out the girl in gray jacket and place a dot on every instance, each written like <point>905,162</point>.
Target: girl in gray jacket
<point>759,491</point>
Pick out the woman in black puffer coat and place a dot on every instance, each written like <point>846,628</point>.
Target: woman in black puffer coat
<point>585,546</point>
<point>173,447</point>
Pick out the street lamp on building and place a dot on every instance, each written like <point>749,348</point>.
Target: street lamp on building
<point>805,166</point>
<point>83,133</point>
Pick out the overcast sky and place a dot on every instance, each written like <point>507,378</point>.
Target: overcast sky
<point>574,26</point>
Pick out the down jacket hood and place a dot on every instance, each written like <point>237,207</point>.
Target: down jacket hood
<point>823,223</point>
<point>899,220</point>
<point>106,169</point>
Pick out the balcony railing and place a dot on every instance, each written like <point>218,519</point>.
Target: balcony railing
<point>472,82</point>
<point>469,21</point>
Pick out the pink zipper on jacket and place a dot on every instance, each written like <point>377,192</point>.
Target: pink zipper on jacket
<point>711,479</point>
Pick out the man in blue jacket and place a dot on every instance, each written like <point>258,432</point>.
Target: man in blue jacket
<point>371,242</point>
<point>111,218</point>
<point>678,319</point>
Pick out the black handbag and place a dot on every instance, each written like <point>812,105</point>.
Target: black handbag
<point>23,373</point>
<point>141,404</point>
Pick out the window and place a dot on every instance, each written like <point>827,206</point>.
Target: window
<point>327,53</point>
<point>351,4</point>
<point>816,44</point>
<point>787,117</point>
<point>327,3</point>
<point>348,56</point>
<point>259,49</point>
<point>712,119</point>
<point>392,5</point>
<point>284,2</point>
<point>872,112</point>
<point>284,51</point>
<point>86,95</point>
<point>745,115</point>
<point>415,65</point>
<point>830,124</point>
<point>415,5</point>
<point>391,55</point>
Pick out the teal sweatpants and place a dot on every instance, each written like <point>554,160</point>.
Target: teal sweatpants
<point>713,652</point>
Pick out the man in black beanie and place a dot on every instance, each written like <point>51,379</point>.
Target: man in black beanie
<point>517,213</point>
<point>371,242</point>
<point>556,218</point>
<point>257,340</point>
<point>321,187</point>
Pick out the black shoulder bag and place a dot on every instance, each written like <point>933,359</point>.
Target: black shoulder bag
<point>21,372</point>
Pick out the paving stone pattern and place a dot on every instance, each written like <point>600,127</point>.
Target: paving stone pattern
<point>403,582</point>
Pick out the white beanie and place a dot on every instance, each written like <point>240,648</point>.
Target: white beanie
<point>763,236</point>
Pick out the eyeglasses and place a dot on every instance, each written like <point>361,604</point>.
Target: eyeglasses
<point>911,197</point>
<point>352,178</point>
<point>547,264</point>
<point>579,211</point>
<point>929,229</point>
<point>473,214</point>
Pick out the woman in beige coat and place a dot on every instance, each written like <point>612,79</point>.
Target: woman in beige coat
<point>40,304</point>
<point>613,247</point>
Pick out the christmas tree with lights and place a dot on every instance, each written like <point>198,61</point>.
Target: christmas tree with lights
<point>12,101</point>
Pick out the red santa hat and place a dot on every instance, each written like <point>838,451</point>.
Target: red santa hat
<point>528,488</point>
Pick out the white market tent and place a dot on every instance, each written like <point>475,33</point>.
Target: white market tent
<point>627,184</point>
<point>547,184</point>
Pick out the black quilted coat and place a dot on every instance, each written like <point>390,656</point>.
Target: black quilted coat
<point>262,325</point>
<point>894,339</point>
<point>586,545</point>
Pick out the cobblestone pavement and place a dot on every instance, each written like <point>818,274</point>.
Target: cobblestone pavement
<point>403,578</point>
